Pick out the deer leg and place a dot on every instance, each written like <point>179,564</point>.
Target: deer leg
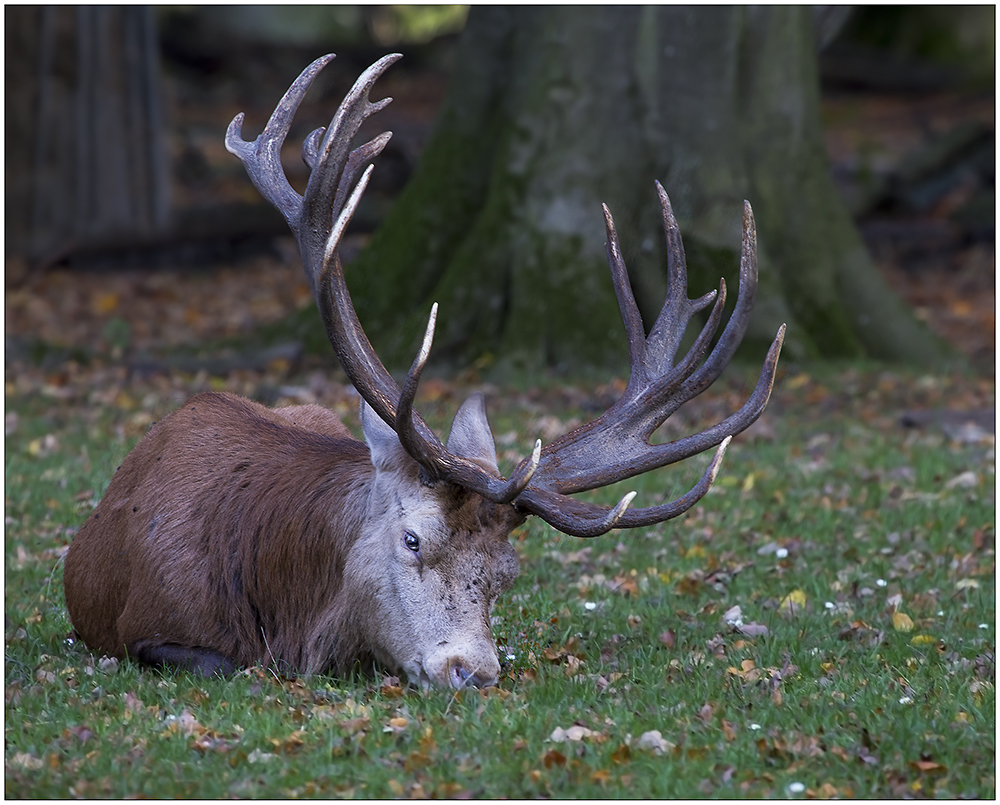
<point>194,659</point>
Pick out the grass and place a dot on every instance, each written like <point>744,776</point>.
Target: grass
<point>866,550</point>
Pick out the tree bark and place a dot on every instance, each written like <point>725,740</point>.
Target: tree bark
<point>86,151</point>
<point>553,110</point>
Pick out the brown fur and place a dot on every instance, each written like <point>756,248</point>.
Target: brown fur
<point>230,536</point>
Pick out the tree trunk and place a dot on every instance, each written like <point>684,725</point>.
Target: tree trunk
<point>553,110</point>
<point>86,151</point>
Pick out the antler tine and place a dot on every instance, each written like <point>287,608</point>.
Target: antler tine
<point>580,519</point>
<point>663,454</point>
<point>327,152</point>
<point>424,447</point>
<point>650,515</point>
<point>420,449</point>
<point>653,380</point>
<point>335,163</point>
<point>573,517</point>
<point>262,157</point>
<point>666,333</point>
<point>635,333</point>
<point>738,322</point>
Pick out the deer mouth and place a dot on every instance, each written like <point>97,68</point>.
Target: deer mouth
<point>453,673</point>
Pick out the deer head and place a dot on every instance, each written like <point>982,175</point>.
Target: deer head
<point>235,534</point>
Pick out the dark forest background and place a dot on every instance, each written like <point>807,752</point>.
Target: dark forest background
<point>118,186</point>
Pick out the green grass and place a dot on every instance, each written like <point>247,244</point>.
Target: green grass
<point>846,536</point>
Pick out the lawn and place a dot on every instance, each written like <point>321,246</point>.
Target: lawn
<point>820,625</point>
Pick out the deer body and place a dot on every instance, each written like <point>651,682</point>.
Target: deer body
<point>234,534</point>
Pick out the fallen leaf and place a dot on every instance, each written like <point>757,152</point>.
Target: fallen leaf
<point>902,622</point>
<point>553,758</point>
<point>26,761</point>
<point>108,665</point>
<point>733,616</point>
<point>792,603</point>
<point>626,585</point>
<point>621,754</point>
<point>396,725</point>
<point>966,480</point>
<point>574,733</point>
<point>355,725</point>
<point>928,765</point>
<point>133,703</point>
<point>668,638</point>
<point>185,723</point>
<point>80,732</point>
<point>752,629</point>
<point>106,303</point>
<point>653,741</point>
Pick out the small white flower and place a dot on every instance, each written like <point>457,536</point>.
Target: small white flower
<point>590,606</point>
<point>781,553</point>
<point>828,605</point>
<point>755,726</point>
<point>881,582</point>
<point>511,656</point>
<point>984,626</point>
<point>906,700</point>
<point>796,788</point>
<point>940,613</point>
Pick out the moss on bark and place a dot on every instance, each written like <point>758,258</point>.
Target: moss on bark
<point>553,110</point>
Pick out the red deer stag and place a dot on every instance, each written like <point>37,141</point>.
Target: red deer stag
<point>234,534</point>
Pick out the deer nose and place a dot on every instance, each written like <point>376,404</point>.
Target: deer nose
<point>461,677</point>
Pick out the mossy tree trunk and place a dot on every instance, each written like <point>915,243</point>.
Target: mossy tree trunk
<point>552,111</point>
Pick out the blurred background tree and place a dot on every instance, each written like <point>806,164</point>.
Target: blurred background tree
<point>86,156</point>
<point>548,114</point>
<point>556,109</point>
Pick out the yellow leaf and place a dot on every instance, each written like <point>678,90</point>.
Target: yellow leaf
<point>902,622</point>
<point>748,482</point>
<point>796,382</point>
<point>794,601</point>
<point>106,303</point>
<point>965,584</point>
<point>922,639</point>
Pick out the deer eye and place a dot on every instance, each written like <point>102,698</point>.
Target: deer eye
<point>412,541</point>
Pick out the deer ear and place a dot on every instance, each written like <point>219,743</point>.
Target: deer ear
<point>471,436</point>
<point>387,452</point>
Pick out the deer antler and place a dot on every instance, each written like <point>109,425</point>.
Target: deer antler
<point>616,445</point>
<point>318,221</point>
<point>613,447</point>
